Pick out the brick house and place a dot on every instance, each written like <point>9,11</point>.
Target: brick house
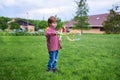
<point>95,22</point>
<point>26,26</point>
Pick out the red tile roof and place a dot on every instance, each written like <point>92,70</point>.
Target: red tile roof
<point>94,20</point>
<point>97,20</point>
<point>70,23</point>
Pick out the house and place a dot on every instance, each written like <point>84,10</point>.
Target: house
<point>69,24</point>
<point>95,22</point>
<point>26,25</point>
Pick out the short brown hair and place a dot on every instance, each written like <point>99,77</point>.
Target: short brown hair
<point>51,20</point>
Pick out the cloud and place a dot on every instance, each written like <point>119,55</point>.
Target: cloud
<point>47,12</point>
<point>45,8</point>
<point>97,6</point>
<point>38,9</point>
<point>54,10</point>
<point>8,2</point>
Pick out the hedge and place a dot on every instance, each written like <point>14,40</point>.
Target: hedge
<point>20,34</point>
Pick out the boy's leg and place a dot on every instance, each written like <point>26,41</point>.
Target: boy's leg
<point>55,59</point>
<point>51,60</point>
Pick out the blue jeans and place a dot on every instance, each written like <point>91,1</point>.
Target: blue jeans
<point>53,57</point>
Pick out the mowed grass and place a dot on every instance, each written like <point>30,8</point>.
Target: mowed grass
<point>94,57</point>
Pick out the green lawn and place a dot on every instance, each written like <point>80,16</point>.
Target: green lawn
<point>94,57</point>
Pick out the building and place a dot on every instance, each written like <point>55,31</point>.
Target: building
<point>95,22</point>
<point>26,25</point>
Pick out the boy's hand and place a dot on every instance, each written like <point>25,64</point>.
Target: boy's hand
<point>57,32</point>
<point>60,40</point>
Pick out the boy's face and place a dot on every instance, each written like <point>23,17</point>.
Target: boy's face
<point>54,24</point>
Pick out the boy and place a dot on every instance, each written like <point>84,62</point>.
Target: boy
<point>53,44</point>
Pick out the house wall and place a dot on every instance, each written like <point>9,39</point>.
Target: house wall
<point>95,30</point>
<point>23,27</point>
<point>31,28</point>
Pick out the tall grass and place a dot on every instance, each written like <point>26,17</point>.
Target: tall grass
<point>94,57</point>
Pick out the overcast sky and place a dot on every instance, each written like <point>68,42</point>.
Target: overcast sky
<point>39,9</point>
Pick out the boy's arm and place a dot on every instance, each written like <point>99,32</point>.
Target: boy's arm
<point>50,33</point>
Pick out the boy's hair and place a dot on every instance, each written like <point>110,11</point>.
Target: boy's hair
<point>51,20</point>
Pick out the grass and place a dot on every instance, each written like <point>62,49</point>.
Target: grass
<point>94,57</point>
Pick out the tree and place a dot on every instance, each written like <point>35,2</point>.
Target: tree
<point>36,23</point>
<point>112,24</point>
<point>3,23</point>
<point>81,18</point>
<point>42,24</point>
<point>14,25</point>
<point>59,23</point>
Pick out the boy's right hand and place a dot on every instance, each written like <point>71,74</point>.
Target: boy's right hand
<point>57,32</point>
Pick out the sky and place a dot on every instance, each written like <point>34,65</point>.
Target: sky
<point>43,9</point>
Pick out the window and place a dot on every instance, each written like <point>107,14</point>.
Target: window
<point>98,18</point>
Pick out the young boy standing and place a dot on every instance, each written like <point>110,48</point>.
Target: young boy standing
<point>53,44</point>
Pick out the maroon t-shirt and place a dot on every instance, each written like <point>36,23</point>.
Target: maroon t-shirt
<point>53,42</point>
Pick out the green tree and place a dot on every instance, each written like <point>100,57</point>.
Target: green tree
<point>42,24</point>
<point>36,23</point>
<point>3,23</point>
<point>14,25</point>
<point>81,18</point>
<point>112,24</point>
<point>59,23</point>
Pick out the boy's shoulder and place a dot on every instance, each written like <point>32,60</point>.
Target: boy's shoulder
<point>50,29</point>
<point>46,28</point>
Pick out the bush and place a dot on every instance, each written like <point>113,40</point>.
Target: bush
<point>21,33</point>
<point>112,24</point>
